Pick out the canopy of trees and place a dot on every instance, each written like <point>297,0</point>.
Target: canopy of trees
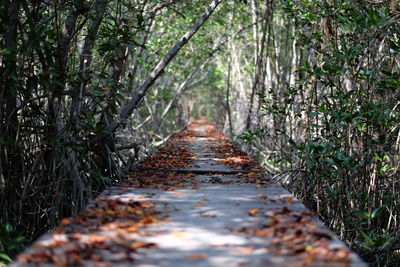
<point>310,88</point>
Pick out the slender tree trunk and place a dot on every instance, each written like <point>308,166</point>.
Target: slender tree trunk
<point>9,167</point>
<point>65,35</point>
<point>259,66</point>
<point>138,54</point>
<point>86,56</point>
<point>228,105</point>
<point>137,96</point>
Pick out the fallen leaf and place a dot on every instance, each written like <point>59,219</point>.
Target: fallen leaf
<point>253,212</point>
<point>194,187</point>
<point>132,229</point>
<point>170,189</point>
<point>260,186</point>
<point>181,184</point>
<point>320,234</point>
<point>199,204</point>
<point>285,210</point>
<point>245,250</point>
<point>259,232</point>
<point>262,196</point>
<point>66,221</point>
<point>289,200</point>
<point>140,244</point>
<point>198,256</point>
<point>97,238</point>
<point>205,199</point>
<point>148,220</point>
<point>74,256</point>
<point>207,214</point>
<point>179,234</point>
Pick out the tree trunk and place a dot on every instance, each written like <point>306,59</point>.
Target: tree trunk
<point>10,169</point>
<point>258,76</point>
<point>65,35</point>
<point>86,57</point>
<point>136,96</point>
<point>228,106</point>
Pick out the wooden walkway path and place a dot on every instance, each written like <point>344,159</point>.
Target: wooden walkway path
<point>198,202</point>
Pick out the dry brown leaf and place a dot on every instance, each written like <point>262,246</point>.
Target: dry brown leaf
<point>181,184</point>
<point>207,214</point>
<point>140,244</point>
<point>198,256</point>
<point>97,238</point>
<point>259,232</point>
<point>262,196</point>
<point>66,221</point>
<point>170,189</point>
<point>253,212</point>
<point>199,204</point>
<point>194,187</point>
<point>132,229</point>
<point>148,220</point>
<point>246,250</point>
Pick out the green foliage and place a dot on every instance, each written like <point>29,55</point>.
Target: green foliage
<point>375,242</point>
<point>338,122</point>
<point>11,243</point>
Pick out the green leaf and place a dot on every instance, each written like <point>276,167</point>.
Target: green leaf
<point>5,257</point>
<point>366,238</point>
<point>376,212</point>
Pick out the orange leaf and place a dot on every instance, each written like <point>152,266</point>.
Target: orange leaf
<point>259,232</point>
<point>97,238</point>
<point>181,184</point>
<point>262,196</point>
<point>194,187</point>
<point>148,220</point>
<point>132,229</point>
<point>139,244</point>
<point>253,212</point>
<point>251,174</point>
<point>198,204</point>
<point>198,256</point>
<point>74,256</point>
<point>170,189</point>
<point>66,221</point>
<point>246,250</point>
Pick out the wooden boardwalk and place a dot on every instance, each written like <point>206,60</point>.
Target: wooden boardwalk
<point>198,202</point>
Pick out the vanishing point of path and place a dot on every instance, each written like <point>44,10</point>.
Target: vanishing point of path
<point>199,201</point>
